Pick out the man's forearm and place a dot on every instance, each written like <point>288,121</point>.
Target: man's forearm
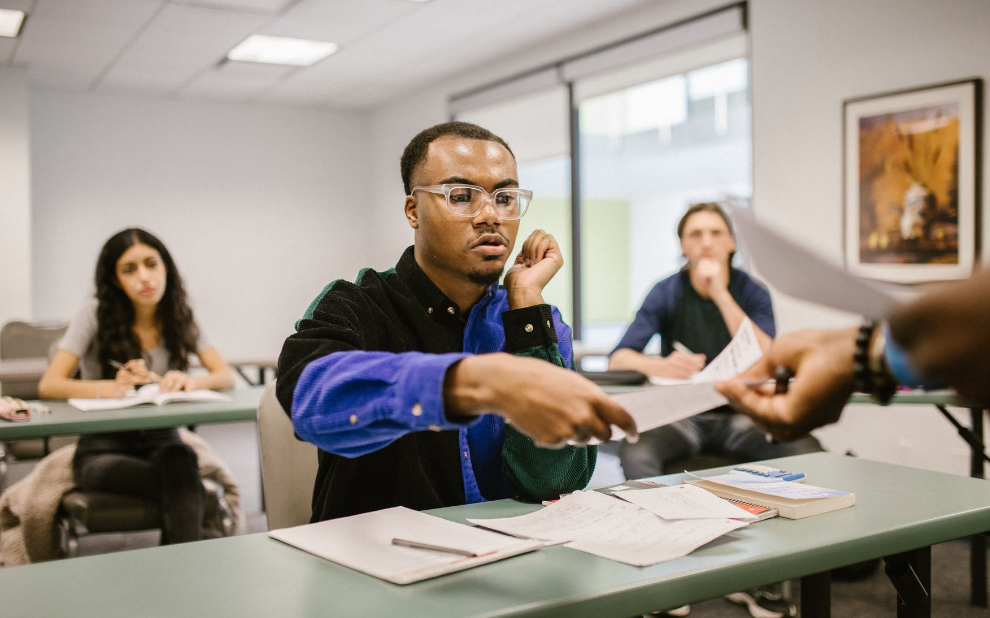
<point>733,315</point>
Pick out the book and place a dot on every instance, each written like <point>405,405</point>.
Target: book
<point>791,500</point>
<point>761,512</point>
<point>403,546</point>
<point>147,395</point>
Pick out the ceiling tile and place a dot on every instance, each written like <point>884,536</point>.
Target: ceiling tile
<point>338,22</point>
<point>266,7</point>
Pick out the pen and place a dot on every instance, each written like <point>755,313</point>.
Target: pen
<point>118,365</point>
<point>683,349</point>
<point>418,545</point>
<point>782,376</point>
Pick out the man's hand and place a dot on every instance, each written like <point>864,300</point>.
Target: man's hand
<point>822,364</point>
<point>550,404</point>
<point>537,263</point>
<point>676,366</point>
<point>712,276</point>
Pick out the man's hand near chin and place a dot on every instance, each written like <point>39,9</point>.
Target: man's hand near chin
<point>537,263</point>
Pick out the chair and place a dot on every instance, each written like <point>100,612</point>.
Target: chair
<point>91,512</point>
<point>288,466</point>
<point>18,340</point>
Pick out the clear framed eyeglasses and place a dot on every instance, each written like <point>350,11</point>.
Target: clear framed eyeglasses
<point>469,200</point>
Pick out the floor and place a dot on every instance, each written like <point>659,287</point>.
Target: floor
<point>872,597</point>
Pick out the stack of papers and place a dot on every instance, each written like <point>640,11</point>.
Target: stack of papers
<point>792,500</point>
<point>665,523</point>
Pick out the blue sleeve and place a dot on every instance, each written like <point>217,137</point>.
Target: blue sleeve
<point>755,302</point>
<point>647,322</point>
<point>564,342</point>
<point>900,365</point>
<point>355,402</point>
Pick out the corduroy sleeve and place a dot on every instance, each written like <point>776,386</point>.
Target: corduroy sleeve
<point>534,473</point>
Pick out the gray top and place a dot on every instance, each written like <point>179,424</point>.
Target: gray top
<point>80,340</point>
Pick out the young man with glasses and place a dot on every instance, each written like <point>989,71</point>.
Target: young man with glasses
<point>428,385</point>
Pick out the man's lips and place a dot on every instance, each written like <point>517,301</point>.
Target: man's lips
<point>490,240</point>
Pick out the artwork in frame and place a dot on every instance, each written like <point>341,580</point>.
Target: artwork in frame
<point>912,184</point>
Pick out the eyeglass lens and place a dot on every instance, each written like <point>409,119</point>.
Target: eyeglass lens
<point>509,203</point>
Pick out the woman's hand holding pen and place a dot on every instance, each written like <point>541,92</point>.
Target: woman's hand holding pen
<point>821,362</point>
<point>134,373</point>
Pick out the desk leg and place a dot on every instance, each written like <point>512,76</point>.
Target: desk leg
<point>977,542</point>
<point>816,595</point>
<point>911,575</point>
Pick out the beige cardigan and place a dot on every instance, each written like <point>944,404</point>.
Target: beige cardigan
<point>28,507</point>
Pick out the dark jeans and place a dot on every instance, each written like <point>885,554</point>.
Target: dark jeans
<point>165,472</point>
<point>717,431</point>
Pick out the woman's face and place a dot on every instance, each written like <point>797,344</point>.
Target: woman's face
<point>141,274</point>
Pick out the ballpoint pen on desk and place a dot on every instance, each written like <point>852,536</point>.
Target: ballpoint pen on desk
<point>449,550</point>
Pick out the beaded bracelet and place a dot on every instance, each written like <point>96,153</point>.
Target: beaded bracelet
<point>870,372</point>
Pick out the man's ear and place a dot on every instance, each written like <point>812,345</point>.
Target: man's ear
<point>412,212</point>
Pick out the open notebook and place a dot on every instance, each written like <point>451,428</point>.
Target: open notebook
<point>364,543</point>
<point>147,394</point>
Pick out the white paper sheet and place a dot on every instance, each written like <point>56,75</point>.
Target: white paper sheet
<point>653,407</point>
<point>364,543</point>
<point>605,526</point>
<point>644,539</point>
<point>802,274</point>
<point>575,515</point>
<point>685,502</point>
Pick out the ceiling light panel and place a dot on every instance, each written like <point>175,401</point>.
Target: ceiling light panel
<point>10,22</point>
<point>281,50</point>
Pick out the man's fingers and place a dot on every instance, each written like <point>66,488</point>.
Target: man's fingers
<point>614,414</point>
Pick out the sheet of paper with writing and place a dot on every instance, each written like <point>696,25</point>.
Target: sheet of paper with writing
<point>604,526</point>
<point>685,502</point>
<point>668,402</point>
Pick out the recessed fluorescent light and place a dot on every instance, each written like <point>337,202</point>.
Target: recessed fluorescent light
<point>281,50</point>
<point>10,22</point>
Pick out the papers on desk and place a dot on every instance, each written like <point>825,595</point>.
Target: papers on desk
<point>364,543</point>
<point>147,394</point>
<point>672,400</point>
<point>604,526</point>
<point>791,499</point>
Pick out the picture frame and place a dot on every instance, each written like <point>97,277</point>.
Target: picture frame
<point>912,160</point>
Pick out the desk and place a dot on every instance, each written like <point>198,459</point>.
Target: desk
<point>898,510</point>
<point>64,420</point>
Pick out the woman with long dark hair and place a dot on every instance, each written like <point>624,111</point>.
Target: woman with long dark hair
<point>138,329</point>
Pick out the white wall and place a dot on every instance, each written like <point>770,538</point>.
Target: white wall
<point>807,58</point>
<point>15,197</point>
<point>395,123</point>
<point>260,207</point>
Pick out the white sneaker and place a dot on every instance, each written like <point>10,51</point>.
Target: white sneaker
<point>762,607</point>
<point>683,610</point>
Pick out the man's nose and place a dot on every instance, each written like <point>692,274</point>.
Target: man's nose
<point>488,214</point>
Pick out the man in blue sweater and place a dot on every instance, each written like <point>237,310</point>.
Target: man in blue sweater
<point>700,308</point>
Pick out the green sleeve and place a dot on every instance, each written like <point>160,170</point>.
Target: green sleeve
<point>535,473</point>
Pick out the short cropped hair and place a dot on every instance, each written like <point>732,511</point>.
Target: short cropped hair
<point>704,207</point>
<point>415,152</point>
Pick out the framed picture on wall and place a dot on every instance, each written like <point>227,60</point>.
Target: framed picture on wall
<point>912,183</point>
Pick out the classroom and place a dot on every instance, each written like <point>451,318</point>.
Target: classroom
<point>267,182</point>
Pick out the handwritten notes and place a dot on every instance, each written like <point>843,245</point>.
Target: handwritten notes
<point>615,529</point>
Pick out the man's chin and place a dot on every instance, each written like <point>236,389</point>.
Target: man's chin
<point>486,276</point>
